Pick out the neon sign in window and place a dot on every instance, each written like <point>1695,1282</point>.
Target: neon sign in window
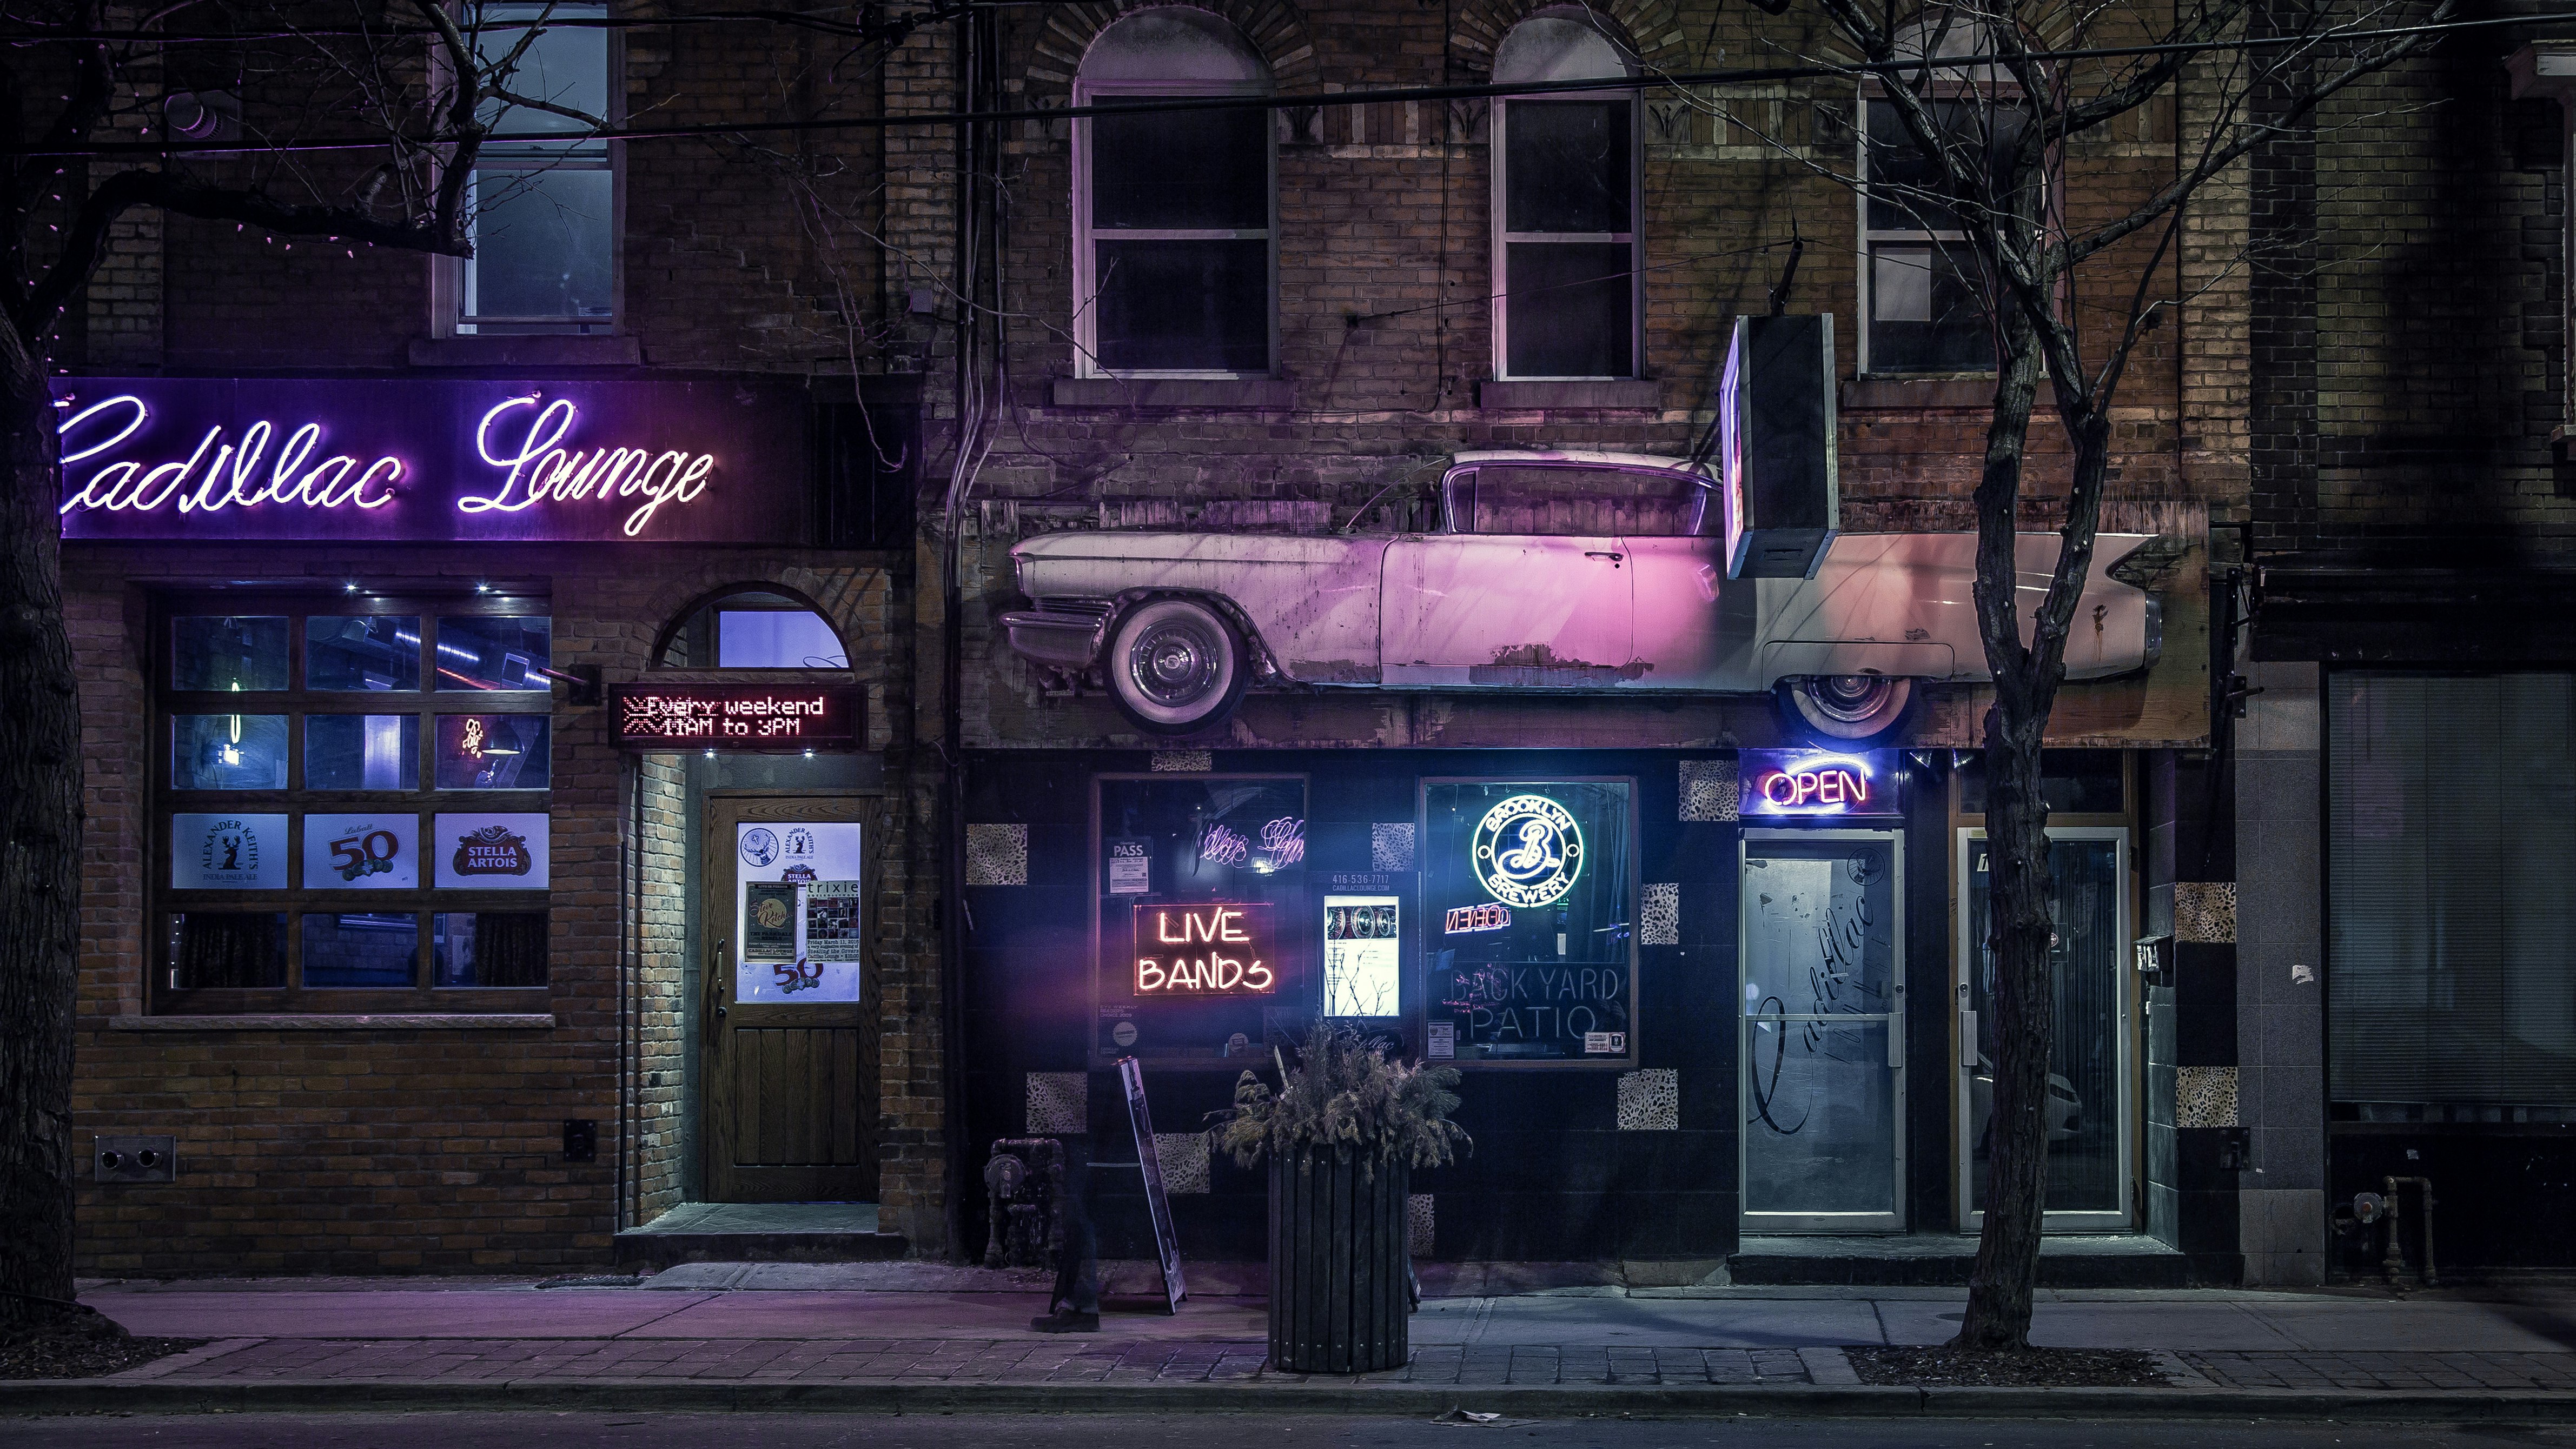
<point>1818,782</point>
<point>1205,948</point>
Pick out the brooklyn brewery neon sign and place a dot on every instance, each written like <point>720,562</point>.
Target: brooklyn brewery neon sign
<point>253,458</point>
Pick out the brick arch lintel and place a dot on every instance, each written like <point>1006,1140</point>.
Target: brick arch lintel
<point>1277,32</point>
<point>841,595</point>
<point>1651,30</point>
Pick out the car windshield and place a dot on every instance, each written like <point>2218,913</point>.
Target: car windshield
<point>1579,499</point>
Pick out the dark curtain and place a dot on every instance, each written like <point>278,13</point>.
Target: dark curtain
<point>510,948</point>
<point>230,950</point>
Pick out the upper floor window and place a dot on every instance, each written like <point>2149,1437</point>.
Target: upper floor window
<point>1922,307</point>
<point>1174,251</point>
<point>543,213</point>
<point>1565,208</point>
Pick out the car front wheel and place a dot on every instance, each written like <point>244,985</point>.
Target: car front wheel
<point>1176,666</point>
<point>1847,707</point>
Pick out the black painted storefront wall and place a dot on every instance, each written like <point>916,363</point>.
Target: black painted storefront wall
<point>1552,1176</point>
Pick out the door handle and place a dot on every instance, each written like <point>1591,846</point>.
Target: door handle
<point>715,1007</point>
<point>1598,553</point>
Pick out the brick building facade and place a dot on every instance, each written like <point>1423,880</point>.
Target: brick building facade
<point>1380,321</point>
<point>2397,1024</point>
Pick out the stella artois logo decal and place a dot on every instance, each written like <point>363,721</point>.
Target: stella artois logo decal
<point>492,850</point>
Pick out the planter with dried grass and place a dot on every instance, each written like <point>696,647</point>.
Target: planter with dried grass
<point>1342,1137</point>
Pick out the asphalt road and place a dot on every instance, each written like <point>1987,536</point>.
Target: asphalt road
<point>1197,1431</point>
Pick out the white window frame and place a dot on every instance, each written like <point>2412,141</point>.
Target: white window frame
<point>1870,238</point>
<point>449,282</point>
<point>1498,154</point>
<point>1634,238</point>
<point>1086,282</point>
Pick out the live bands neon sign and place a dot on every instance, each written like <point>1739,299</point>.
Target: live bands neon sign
<point>1204,949</point>
<point>1818,782</point>
<point>430,459</point>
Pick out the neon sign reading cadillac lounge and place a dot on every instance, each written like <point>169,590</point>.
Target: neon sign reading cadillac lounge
<point>429,459</point>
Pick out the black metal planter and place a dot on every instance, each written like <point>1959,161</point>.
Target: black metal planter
<point>1340,1285</point>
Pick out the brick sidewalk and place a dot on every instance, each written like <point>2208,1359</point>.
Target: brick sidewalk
<point>1111,1361</point>
<point>1013,1361</point>
<point>2417,1370</point>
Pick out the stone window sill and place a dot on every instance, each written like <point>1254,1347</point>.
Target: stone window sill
<point>1897,394</point>
<point>1231,394</point>
<point>526,351</point>
<point>389,1021</point>
<point>1629,395</point>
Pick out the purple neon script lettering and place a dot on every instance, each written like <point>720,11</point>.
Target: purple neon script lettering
<point>142,415</point>
<point>560,413</point>
<point>127,486</point>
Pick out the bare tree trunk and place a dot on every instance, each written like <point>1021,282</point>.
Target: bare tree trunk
<point>40,829</point>
<point>2000,1287</point>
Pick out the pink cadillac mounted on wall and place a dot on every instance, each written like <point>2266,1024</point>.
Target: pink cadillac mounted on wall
<point>1610,573</point>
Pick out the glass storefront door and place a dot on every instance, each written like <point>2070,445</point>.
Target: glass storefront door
<point>1823,1049</point>
<point>2089,1087</point>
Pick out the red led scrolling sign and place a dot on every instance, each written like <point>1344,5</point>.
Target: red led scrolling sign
<point>1205,948</point>
<point>737,717</point>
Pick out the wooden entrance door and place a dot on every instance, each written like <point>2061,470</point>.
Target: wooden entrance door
<point>790,1046</point>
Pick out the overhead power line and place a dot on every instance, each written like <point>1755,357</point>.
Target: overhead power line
<point>1745,75</point>
<point>800,20</point>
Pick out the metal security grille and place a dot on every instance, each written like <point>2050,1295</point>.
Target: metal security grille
<point>2452,889</point>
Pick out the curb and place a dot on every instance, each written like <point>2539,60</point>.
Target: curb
<point>90,1396</point>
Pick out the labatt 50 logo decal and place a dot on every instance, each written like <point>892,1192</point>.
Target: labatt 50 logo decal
<point>1204,950</point>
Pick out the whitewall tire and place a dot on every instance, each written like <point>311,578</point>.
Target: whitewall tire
<point>1847,708</point>
<point>1175,666</point>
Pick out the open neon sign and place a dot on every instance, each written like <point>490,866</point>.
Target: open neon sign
<point>1205,949</point>
<point>1815,783</point>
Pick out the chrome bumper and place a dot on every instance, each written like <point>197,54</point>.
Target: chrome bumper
<point>1058,639</point>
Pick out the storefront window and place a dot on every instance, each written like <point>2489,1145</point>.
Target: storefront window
<point>2451,886</point>
<point>305,854</point>
<point>1528,895</point>
<point>1206,952</point>
<point>494,652</point>
<point>378,651</point>
<point>216,949</point>
<point>362,751</point>
<point>489,948</point>
<point>227,654</point>
<point>493,751</point>
<point>228,751</point>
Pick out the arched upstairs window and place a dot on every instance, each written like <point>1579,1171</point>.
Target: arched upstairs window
<point>1173,231</point>
<point>1565,207</point>
<point>752,629</point>
<point>1922,310</point>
